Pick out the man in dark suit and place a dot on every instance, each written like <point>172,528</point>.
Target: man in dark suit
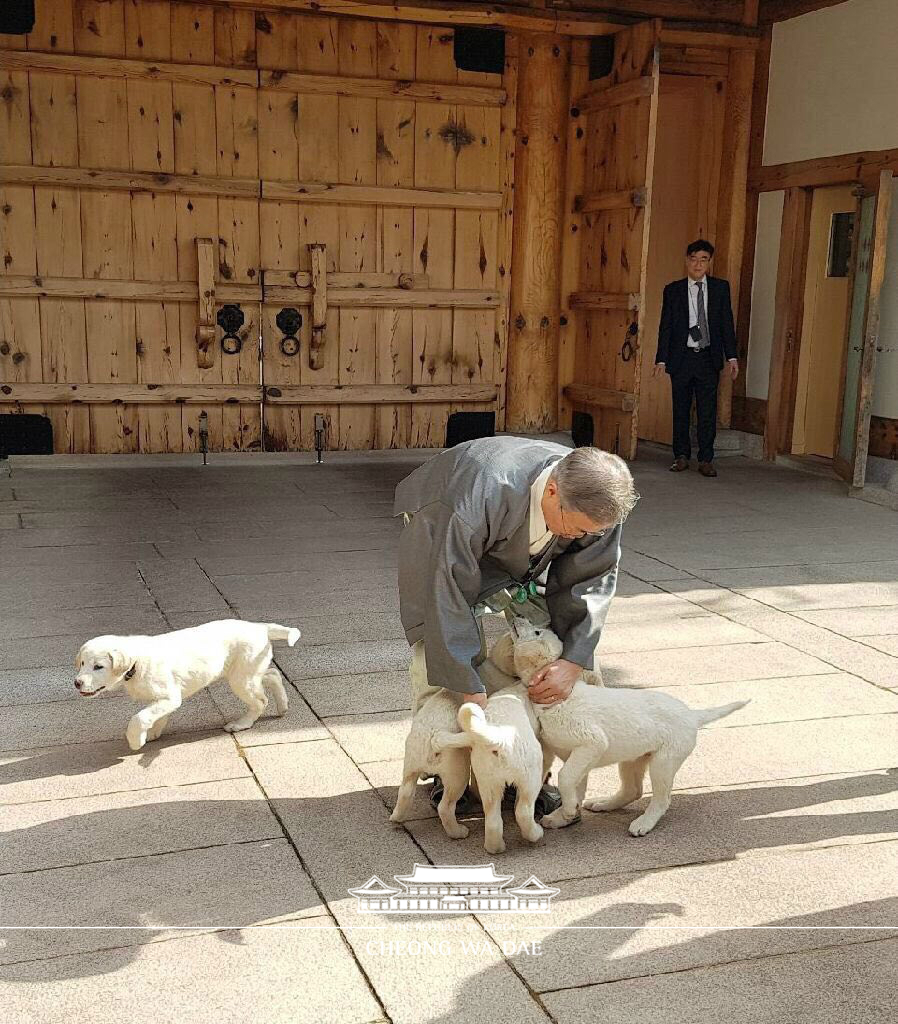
<point>695,337</point>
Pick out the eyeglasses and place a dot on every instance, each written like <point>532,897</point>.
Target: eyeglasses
<point>578,534</point>
<point>699,259</point>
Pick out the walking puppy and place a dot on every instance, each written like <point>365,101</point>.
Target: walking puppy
<point>165,670</point>
<point>595,726</point>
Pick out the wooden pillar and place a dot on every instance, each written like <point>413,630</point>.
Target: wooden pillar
<point>733,193</point>
<point>540,145</point>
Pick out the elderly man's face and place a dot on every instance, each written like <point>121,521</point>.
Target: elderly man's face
<point>564,521</point>
<point>698,264</point>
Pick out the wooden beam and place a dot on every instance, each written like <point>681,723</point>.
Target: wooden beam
<point>755,155</point>
<point>384,89</point>
<point>540,156</point>
<point>587,394</point>
<point>749,414</point>
<point>248,188</point>
<point>130,291</point>
<point>731,205</point>
<point>724,11</point>
<point>344,279</point>
<point>385,298</point>
<point>827,170</point>
<point>625,199</point>
<point>378,394</point>
<point>871,327</point>
<point>745,40</point>
<point>319,283</point>
<point>604,99</point>
<point>787,321</point>
<point>205,319</point>
<point>783,10</point>
<point>140,394</point>
<point>114,67</point>
<point>436,12</point>
<point>129,181</point>
<point>604,300</point>
<point>704,69</point>
<point>360,195</point>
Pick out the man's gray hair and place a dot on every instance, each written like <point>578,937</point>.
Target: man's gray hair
<point>597,484</point>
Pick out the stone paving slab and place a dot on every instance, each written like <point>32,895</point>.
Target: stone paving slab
<point>343,695</point>
<point>183,586</point>
<point>708,664</point>
<point>344,659</point>
<point>694,631</point>
<point>851,983</point>
<point>294,608</point>
<point>80,558</point>
<point>88,769</point>
<point>89,622</point>
<point>40,686</point>
<point>221,886</point>
<point>144,529</point>
<point>886,644</point>
<point>287,562</point>
<point>9,521</point>
<point>379,736</point>
<point>266,974</point>
<point>90,720</point>
<point>850,885</point>
<point>326,805</point>
<point>855,622</point>
<point>298,725</point>
<point>303,589</point>
<point>41,652</point>
<point>109,826</point>
<point>774,816</point>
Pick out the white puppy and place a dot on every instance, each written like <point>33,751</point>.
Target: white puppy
<point>595,726</point>
<point>504,751</point>
<point>435,713</point>
<point>164,670</point>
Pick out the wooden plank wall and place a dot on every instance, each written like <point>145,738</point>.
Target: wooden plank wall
<point>151,104</point>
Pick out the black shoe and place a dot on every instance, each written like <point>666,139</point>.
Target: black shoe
<point>467,803</point>
<point>548,800</point>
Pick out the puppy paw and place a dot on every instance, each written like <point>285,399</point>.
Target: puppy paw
<point>155,732</point>
<point>641,826</point>
<point>533,835</point>
<point>457,831</point>
<point>494,847</point>
<point>558,819</point>
<point>237,726</point>
<point>136,735</point>
<point>597,806</point>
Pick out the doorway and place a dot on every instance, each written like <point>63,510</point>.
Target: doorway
<point>826,297</point>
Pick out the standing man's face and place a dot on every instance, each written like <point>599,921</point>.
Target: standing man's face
<point>697,265</point>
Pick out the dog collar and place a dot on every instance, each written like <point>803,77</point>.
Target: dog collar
<point>130,673</point>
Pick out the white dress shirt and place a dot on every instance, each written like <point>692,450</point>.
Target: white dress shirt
<point>540,535</point>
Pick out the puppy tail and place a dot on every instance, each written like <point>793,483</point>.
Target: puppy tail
<point>473,723</point>
<point>708,715</point>
<point>288,633</point>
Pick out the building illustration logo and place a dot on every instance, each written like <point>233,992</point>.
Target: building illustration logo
<point>453,889</point>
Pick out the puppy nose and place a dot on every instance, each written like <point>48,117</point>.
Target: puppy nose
<point>77,685</point>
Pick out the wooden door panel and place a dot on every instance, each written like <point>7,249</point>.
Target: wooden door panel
<point>618,117</point>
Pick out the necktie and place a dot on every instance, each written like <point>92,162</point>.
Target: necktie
<point>705,340</point>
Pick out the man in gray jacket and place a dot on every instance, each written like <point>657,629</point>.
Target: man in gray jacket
<point>486,523</point>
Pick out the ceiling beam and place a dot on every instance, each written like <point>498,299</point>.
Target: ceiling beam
<point>783,10</point>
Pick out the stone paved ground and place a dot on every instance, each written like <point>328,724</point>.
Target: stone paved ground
<point>147,870</point>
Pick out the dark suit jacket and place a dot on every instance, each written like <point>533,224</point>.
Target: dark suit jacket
<point>673,331</point>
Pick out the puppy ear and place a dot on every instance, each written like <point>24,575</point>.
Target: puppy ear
<point>121,661</point>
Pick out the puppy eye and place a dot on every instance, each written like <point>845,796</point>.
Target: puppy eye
<point>98,668</point>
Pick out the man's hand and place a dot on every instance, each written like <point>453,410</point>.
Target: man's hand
<point>554,682</point>
<point>472,698</point>
<point>659,369</point>
<point>733,368</point>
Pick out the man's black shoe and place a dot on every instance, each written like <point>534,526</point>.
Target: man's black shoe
<point>548,800</point>
<point>467,803</point>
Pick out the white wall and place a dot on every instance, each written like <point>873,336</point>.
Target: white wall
<point>763,293</point>
<point>833,89</point>
<point>833,82</point>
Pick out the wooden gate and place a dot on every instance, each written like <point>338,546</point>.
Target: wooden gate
<point>156,156</point>
<point>610,165</point>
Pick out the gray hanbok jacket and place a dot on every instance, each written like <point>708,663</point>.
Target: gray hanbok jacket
<point>469,536</point>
